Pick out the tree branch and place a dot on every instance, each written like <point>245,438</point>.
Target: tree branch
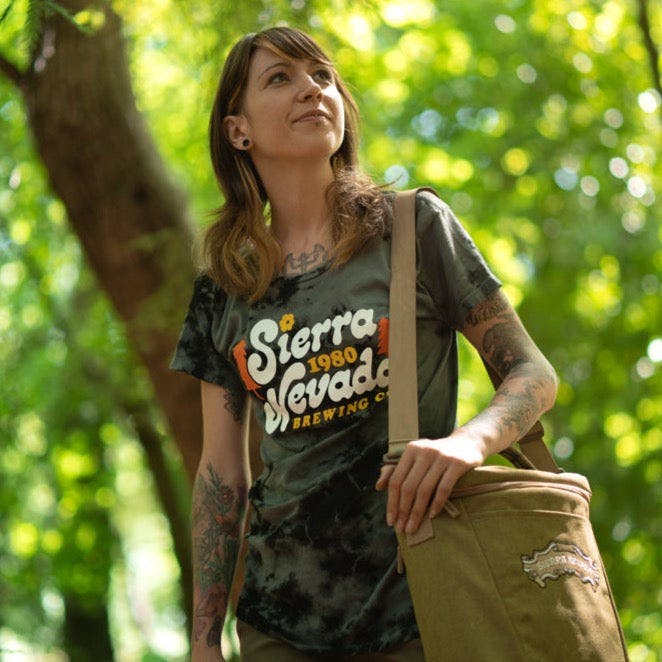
<point>12,72</point>
<point>651,48</point>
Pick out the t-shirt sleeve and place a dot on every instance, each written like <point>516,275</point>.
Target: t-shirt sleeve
<point>196,353</point>
<point>451,267</point>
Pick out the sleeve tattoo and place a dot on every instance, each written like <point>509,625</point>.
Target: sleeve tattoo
<point>234,403</point>
<point>524,395</point>
<point>217,514</point>
<point>492,306</point>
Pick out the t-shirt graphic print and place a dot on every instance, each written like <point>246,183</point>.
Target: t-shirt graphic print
<point>330,369</point>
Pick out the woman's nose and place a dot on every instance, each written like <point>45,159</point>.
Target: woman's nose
<point>310,89</point>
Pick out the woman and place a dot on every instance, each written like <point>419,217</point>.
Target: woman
<point>292,311</point>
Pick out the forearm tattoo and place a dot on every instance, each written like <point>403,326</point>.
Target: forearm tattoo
<point>518,408</point>
<point>305,261</point>
<point>234,404</point>
<point>525,393</point>
<point>217,513</point>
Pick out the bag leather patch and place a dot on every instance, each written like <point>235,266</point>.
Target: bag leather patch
<point>560,558</point>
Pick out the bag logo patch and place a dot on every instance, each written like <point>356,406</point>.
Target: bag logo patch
<point>558,559</point>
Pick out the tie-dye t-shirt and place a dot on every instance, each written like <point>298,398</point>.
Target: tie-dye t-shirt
<point>313,356</point>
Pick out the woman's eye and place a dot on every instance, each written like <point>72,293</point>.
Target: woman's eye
<point>278,77</point>
<point>323,75</point>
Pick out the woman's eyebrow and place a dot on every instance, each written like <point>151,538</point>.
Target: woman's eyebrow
<point>280,63</point>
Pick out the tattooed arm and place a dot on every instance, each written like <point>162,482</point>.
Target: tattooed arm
<point>529,382</point>
<point>429,468</point>
<point>219,505</point>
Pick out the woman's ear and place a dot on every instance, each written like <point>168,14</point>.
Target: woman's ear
<point>236,131</point>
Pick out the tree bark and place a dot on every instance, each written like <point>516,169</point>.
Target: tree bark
<point>130,218</point>
<point>86,632</point>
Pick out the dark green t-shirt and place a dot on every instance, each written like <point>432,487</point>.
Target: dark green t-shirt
<point>313,355</point>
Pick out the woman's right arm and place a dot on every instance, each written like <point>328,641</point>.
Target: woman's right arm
<point>217,518</point>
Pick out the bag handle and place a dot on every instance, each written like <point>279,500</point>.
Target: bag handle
<point>403,391</point>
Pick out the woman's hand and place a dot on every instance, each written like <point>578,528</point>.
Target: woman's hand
<point>424,477</point>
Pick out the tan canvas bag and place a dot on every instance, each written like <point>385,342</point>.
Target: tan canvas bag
<point>510,570</point>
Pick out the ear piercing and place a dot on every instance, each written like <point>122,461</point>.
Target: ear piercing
<point>246,142</point>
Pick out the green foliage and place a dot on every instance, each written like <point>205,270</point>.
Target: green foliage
<point>56,539</point>
<point>31,15</point>
<point>37,12</point>
<point>6,11</point>
<point>538,122</point>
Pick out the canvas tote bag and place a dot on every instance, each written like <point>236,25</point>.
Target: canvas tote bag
<point>510,570</point>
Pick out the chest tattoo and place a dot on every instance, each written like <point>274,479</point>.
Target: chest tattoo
<point>300,264</point>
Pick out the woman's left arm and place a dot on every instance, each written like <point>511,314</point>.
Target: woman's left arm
<point>427,471</point>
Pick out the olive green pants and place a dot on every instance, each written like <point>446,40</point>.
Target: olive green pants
<point>258,647</point>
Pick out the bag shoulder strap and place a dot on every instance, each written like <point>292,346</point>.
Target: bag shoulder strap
<point>403,390</point>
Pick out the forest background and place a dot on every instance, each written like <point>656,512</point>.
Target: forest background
<point>538,121</point>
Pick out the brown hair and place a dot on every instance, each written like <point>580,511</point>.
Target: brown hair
<point>241,253</point>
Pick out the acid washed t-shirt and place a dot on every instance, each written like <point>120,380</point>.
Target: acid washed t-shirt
<point>313,356</point>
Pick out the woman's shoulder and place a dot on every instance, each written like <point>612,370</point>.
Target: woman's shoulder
<point>205,284</point>
<point>429,202</point>
<point>207,292</point>
<point>434,214</point>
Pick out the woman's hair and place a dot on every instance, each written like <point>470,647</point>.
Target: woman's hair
<point>240,251</point>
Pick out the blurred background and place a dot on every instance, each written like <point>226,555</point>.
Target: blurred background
<point>537,120</point>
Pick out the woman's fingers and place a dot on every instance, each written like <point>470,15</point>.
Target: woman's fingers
<point>411,485</point>
<point>411,494</point>
<point>410,521</point>
<point>444,489</point>
<point>421,482</point>
<point>384,476</point>
<point>401,471</point>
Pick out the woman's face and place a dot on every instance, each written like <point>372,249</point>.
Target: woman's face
<point>292,110</point>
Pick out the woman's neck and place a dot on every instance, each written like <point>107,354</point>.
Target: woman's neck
<point>300,218</point>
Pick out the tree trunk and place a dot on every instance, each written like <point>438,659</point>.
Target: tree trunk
<point>86,633</point>
<point>130,218</point>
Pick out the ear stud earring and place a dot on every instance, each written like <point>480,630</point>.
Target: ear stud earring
<point>246,142</point>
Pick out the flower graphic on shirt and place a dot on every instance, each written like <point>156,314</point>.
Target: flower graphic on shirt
<point>286,322</point>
